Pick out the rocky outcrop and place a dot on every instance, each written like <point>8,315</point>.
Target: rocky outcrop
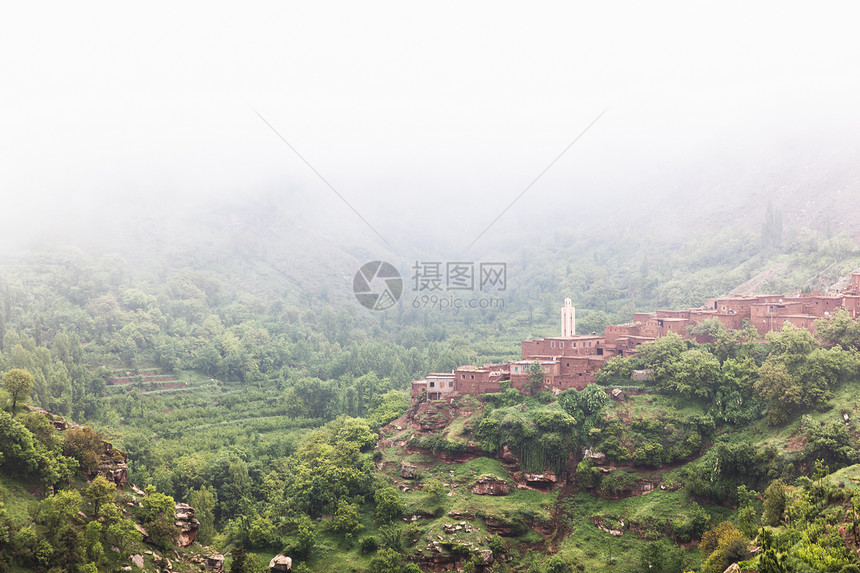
<point>545,480</point>
<point>451,528</point>
<point>280,564</point>
<point>500,527</point>
<point>597,458</point>
<point>112,465</point>
<point>216,562</point>
<point>187,524</point>
<point>408,471</point>
<point>490,485</point>
<point>436,558</point>
<point>508,458</point>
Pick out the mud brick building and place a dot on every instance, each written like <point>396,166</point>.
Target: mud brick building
<point>571,360</point>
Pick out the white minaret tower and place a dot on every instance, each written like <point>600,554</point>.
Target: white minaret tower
<point>568,319</point>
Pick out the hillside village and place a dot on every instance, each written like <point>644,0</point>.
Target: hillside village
<point>571,360</point>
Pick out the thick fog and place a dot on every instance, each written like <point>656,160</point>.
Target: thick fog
<point>427,120</point>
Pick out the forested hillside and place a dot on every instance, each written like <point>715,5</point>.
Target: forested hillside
<point>280,412</point>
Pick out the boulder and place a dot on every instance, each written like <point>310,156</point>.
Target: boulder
<point>733,568</point>
<point>490,485</point>
<point>408,471</point>
<point>137,560</point>
<point>280,563</point>
<point>216,562</point>
<point>546,479</point>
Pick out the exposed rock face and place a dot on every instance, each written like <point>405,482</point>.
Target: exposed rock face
<point>187,524</point>
<point>500,528</point>
<point>408,471</point>
<point>280,563</point>
<point>490,485</point>
<point>216,562</point>
<point>543,480</point>
<point>508,458</point>
<point>598,458</point>
<point>733,568</point>
<point>113,466</point>
<point>486,556</point>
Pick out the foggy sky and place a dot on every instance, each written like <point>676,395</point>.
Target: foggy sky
<point>420,115</point>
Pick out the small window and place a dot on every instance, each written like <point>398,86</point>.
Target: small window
<point>432,384</point>
<point>561,344</point>
<point>472,376</point>
<point>463,375</point>
<point>442,384</point>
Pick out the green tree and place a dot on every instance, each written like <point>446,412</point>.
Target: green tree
<point>85,445</point>
<point>662,355</point>
<point>306,535</point>
<point>769,562</point>
<point>536,377</point>
<point>123,535</point>
<point>839,328</point>
<point>100,492</point>
<point>388,504</point>
<point>587,475</point>
<point>661,557</point>
<point>346,518</point>
<point>204,501</point>
<point>722,546</point>
<point>435,487</point>
<point>237,565</point>
<point>61,509</point>
<point>774,503</point>
<point>158,515</point>
<point>18,383</point>
<point>93,535</point>
<point>386,561</point>
<point>19,450</point>
<point>778,388</point>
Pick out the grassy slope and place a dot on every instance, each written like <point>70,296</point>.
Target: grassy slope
<point>582,541</point>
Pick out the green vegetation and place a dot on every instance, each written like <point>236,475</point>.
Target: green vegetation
<point>264,411</point>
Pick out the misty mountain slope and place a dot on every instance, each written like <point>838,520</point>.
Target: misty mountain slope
<point>812,179</point>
